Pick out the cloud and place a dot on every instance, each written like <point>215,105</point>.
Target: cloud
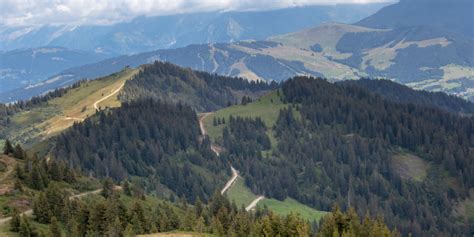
<point>79,12</point>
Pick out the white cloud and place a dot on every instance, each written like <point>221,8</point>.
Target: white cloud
<point>37,12</point>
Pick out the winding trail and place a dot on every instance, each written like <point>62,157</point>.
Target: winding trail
<point>254,203</point>
<point>29,212</point>
<point>108,96</point>
<point>235,173</point>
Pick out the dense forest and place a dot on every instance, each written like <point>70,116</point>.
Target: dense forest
<point>400,93</point>
<point>200,90</point>
<point>158,141</point>
<point>125,210</point>
<point>341,150</point>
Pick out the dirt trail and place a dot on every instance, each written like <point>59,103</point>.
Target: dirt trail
<point>108,96</point>
<point>29,212</point>
<point>235,175</point>
<point>215,149</point>
<point>254,203</point>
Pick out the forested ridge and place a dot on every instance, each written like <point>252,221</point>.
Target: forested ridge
<point>342,149</point>
<point>157,141</point>
<point>202,91</point>
<point>400,93</point>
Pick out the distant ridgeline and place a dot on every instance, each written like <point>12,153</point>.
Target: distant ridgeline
<point>403,94</point>
<point>203,91</point>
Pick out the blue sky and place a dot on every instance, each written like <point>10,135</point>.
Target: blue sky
<point>80,12</point>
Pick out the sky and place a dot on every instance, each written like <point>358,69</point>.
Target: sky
<point>83,12</point>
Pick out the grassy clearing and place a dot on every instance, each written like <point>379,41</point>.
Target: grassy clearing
<point>410,167</point>
<point>266,107</point>
<point>240,194</point>
<point>290,205</point>
<point>243,196</point>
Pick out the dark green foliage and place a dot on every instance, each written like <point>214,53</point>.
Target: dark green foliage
<point>54,229</point>
<point>153,140</point>
<point>18,152</point>
<point>341,151</point>
<point>348,224</point>
<point>246,136</point>
<point>25,228</point>
<point>8,147</point>
<point>15,221</point>
<point>37,173</point>
<point>107,188</point>
<point>200,90</point>
<point>399,93</point>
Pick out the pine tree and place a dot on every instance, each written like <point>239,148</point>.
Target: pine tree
<point>41,209</point>
<point>15,221</point>
<point>18,152</point>
<point>25,228</point>
<point>7,148</point>
<point>115,228</point>
<point>126,188</point>
<point>107,188</point>
<point>54,228</point>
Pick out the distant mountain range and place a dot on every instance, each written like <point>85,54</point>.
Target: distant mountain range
<point>160,32</point>
<point>450,15</point>
<point>34,54</point>
<point>23,67</point>
<point>418,54</point>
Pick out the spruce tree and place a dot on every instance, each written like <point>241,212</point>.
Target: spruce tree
<point>54,229</point>
<point>7,148</point>
<point>18,152</point>
<point>15,221</point>
<point>107,188</point>
<point>25,227</point>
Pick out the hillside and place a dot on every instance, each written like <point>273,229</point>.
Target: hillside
<point>32,121</point>
<point>324,128</point>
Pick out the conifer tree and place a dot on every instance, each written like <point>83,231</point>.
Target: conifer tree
<point>41,209</point>
<point>54,229</point>
<point>18,152</point>
<point>25,227</point>
<point>7,148</point>
<point>107,188</point>
<point>15,221</point>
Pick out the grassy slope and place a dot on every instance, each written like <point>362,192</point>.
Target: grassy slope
<point>60,113</point>
<point>267,107</point>
<point>240,194</point>
<point>290,205</point>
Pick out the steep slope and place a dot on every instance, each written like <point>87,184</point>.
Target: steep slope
<point>33,121</point>
<point>344,143</point>
<point>159,32</point>
<point>22,67</point>
<point>450,15</point>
